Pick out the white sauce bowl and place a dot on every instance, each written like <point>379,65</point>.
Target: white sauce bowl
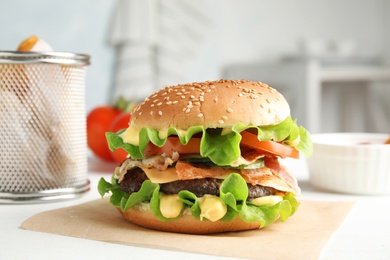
<point>354,163</point>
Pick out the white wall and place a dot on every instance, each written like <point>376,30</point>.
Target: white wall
<point>261,30</point>
<point>256,32</point>
<point>242,31</point>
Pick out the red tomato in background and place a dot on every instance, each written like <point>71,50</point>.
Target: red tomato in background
<point>120,122</point>
<point>99,121</point>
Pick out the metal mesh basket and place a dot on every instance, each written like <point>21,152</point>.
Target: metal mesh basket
<point>43,151</point>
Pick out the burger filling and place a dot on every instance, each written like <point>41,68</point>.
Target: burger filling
<point>176,178</point>
<point>214,174</point>
<point>264,176</point>
<point>136,176</point>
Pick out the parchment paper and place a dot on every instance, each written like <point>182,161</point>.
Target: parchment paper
<point>302,236</point>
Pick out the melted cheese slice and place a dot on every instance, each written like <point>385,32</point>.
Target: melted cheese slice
<point>276,183</point>
<point>266,200</point>
<point>170,175</point>
<point>157,176</point>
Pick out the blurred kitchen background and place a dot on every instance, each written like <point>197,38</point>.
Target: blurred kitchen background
<point>330,58</point>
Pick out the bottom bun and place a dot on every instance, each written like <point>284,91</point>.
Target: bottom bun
<point>185,224</point>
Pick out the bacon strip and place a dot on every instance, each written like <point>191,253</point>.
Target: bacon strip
<point>273,175</point>
<point>281,172</point>
<point>187,171</point>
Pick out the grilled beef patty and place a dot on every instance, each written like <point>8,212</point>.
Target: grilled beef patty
<point>136,176</point>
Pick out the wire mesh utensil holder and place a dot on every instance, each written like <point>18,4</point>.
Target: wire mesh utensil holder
<point>43,151</point>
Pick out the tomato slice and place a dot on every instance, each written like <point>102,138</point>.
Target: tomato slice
<point>173,144</point>
<point>250,140</point>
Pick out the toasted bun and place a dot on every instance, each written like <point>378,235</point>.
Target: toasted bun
<point>185,224</point>
<point>212,104</point>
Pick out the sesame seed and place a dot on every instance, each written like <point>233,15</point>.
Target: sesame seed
<point>267,101</point>
<point>140,113</point>
<point>160,113</point>
<point>221,121</point>
<point>174,102</point>
<point>183,97</point>
<point>151,105</point>
<point>240,94</point>
<point>224,117</point>
<point>200,115</point>
<point>216,99</point>
<point>192,96</point>
<point>229,110</point>
<point>159,104</point>
<point>188,110</point>
<point>169,102</point>
<point>151,113</point>
<point>261,105</point>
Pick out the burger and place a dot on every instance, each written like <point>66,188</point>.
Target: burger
<point>204,158</point>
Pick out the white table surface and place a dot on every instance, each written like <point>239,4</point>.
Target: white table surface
<point>364,234</point>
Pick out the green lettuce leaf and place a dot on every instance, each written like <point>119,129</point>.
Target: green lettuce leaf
<point>305,145</point>
<point>233,192</point>
<point>115,141</point>
<point>123,200</point>
<point>190,200</point>
<point>221,148</point>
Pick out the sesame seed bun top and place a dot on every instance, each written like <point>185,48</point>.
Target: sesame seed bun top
<point>213,104</point>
